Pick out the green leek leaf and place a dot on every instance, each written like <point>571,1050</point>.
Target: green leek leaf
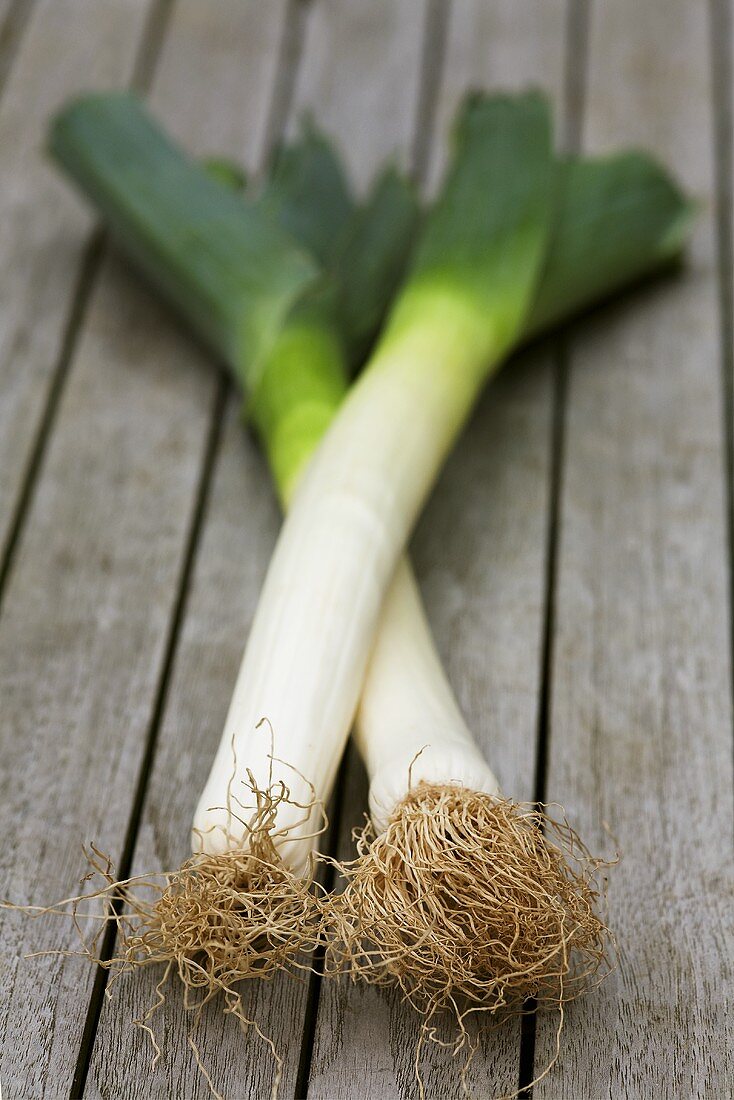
<point>373,259</point>
<point>483,243</point>
<point>308,193</point>
<point>620,218</point>
<point>233,273</point>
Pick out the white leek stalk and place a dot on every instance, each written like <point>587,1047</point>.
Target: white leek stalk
<point>462,309</point>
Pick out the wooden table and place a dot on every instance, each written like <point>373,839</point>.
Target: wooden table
<point>575,557</point>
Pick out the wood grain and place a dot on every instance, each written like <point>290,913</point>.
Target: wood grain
<point>82,639</point>
<point>242,522</point>
<point>641,716</point>
<point>90,601</point>
<point>241,44</point>
<point>480,556</point>
<point>43,226</point>
<point>360,78</point>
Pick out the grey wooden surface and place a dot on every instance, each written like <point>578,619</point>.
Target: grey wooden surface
<point>575,557</point>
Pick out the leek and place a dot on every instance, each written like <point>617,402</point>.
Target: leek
<point>469,296</point>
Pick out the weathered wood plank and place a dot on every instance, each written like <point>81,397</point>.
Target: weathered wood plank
<point>240,43</point>
<point>82,638</point>
<point>241,526</point>
<point>90,601</point>
<point>480,553</point>
<point>641,716</point>
<point>360,77</point>
<point>43,228</point>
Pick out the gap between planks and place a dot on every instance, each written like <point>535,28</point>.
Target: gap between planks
<point>221,393</point>
<point>574,98</point>
<point>643,601</point>
<point>722,89</point>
